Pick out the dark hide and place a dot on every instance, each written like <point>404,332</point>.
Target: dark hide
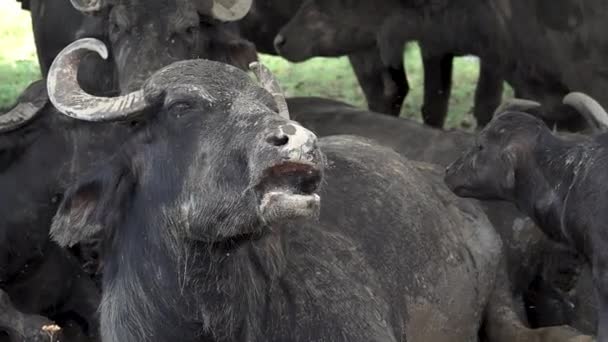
<point>37,162</point>
<point>541,273</point>
<point>558,182</point>
<point>189,256</point>
<point>330,28</point>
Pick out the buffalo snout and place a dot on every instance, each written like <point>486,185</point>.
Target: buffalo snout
<point>287,179</point>
<point>294,143</point>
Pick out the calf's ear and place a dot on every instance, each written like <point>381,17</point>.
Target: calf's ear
<point>95,204</point>
<point>509,158</point>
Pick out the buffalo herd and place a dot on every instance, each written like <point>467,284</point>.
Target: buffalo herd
<point>157,184</point>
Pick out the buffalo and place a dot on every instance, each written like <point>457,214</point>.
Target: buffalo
<point>544,49</point>
<point>384,87</point>
<point>555,180</point>
<point>225,220</point>
<point>336,27</point>
<point>154,33</point>
<point>548,282</point>
<point>40,156</point>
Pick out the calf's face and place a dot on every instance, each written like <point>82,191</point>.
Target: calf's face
<point>212,161</point>
<point>488,169</point>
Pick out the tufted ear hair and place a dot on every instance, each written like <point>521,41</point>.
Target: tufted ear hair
<point>97,203</point>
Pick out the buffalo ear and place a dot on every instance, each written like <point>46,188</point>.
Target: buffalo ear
<point>95,204</point>
<point>229,47</point>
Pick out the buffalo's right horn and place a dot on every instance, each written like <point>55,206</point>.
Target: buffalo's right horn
<point>516,105</point>
<point>271,84</point>
<point>224,10</point>
<point>87,6</point>
<point>593,112</point>
<point>68,97</point>
<point>30,104</point>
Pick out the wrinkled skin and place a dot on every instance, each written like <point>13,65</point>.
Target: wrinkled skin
<point>558,182</point>
<point>188,190</point>
<point>37,275</point>
<point>337,27</point>
<point>541,273</point>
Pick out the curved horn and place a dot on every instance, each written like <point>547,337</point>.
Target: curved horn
<point>30,104</point>
<point>87,6</point>
<point>271,84</point>
<point>67,96</point>
<point>593,112</point>
<point>517,105</point>
<point>225,10</point>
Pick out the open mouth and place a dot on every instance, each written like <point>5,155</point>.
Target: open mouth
<point>287,190</point>
<point>297,178</point>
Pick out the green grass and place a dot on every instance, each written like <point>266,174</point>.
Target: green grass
<point>18,64</point>
<point>327,77</point>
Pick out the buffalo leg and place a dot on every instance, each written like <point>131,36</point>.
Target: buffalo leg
<point>503,324</point>
<point>437,87</point>
<point>384,87</point>
<point>19,326</point>
<point>488,93</point>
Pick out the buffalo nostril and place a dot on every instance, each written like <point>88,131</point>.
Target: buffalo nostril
<point>277,139</point>
<point>279,41</point>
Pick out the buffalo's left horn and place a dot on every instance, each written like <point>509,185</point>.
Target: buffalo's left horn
<point>516,105</point>
<point>68,97</point>
<point>224,10</point>
<point>30,104</point>
<point>271,84</point>
<point>593,112</point>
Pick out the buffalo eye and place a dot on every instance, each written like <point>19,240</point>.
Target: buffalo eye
<point>179,107</point>
<point>480,147</point>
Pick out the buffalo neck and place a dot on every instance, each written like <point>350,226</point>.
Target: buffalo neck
<point>87,144</point>
<point>544,179</point>
<point>191,290</point>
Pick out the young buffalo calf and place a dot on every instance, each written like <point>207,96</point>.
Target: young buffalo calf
<point>561,183</point>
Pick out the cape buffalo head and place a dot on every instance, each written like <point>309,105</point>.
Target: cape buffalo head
<point>215,153</point>
<point>488,170</point>
<point>145,35</point>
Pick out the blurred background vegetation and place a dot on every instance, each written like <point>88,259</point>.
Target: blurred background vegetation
<point>327,77</point>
